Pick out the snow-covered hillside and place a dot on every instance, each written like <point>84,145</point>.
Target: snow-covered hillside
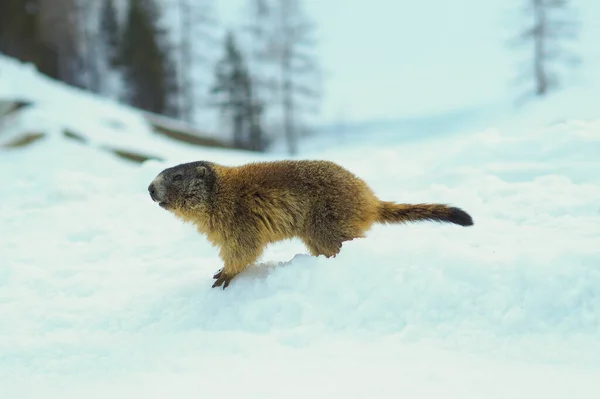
<point>105,295</point>
<point>56,108</point>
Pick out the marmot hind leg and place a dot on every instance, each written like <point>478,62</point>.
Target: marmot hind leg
<point>327,240</point>
<point>327,249</point>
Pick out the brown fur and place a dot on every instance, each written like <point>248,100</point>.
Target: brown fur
<point>242,209</point>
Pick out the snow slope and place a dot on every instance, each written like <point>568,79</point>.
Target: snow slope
<point>57,107</point>
<point>104,294</point>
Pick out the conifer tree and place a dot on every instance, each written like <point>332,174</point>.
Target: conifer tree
<point>197,43</point>
<point>282,50</point>
<point>234,95</point>
<point>552,26</point>
<point>109,31</point>
<point>144,60</point>
<point>61,22</point>
<point>21,35</point>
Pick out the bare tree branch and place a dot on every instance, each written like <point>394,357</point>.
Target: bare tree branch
<point>546,34</point>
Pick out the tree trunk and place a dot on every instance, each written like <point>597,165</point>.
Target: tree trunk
<point>541,77</point>
<point>238,126</point>
<point>288,103</point>
<point>186,84</point>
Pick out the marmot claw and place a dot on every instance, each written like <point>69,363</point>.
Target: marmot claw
<point>222,280</point>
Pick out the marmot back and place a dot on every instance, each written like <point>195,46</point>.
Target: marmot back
<point>242,209</point>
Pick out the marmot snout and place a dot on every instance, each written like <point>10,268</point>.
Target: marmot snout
<point>242,209</point>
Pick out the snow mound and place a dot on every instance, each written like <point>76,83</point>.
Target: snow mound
<point>99,284</point>
<point>104,294</point>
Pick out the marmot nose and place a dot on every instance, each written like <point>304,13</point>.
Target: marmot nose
<point>152,190</point>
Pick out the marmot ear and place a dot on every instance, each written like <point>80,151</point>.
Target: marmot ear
<point>201,171</point>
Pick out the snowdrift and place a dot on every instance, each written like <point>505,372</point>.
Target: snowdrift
<point>104,294</point>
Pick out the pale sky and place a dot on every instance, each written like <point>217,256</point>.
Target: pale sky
<point>389,58</point>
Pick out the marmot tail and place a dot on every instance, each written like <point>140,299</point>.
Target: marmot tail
<point>391,212</point>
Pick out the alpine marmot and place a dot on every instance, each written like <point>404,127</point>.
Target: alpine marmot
<point>244,208</point>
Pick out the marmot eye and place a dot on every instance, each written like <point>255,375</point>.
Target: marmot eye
<point>177,177</point>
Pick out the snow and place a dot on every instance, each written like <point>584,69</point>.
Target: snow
<point>104,294</point>
<point>57,108</point>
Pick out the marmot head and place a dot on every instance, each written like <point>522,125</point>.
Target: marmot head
<point>184,186</point>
